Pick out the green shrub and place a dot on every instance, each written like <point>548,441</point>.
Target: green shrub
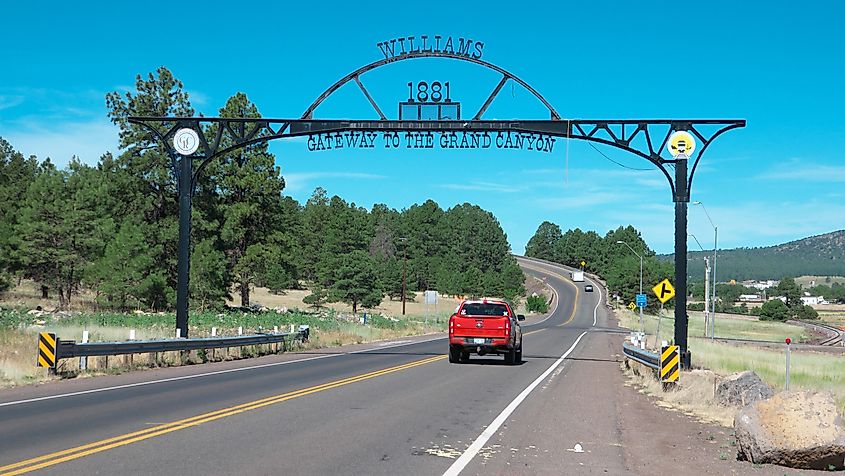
<point>537,303</point>
<point>806,312</point>
<point>774,310</point>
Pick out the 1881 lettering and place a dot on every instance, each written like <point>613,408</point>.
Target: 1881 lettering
<point>426,92</point>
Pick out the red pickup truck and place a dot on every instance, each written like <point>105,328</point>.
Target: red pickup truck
<point>485,327</point>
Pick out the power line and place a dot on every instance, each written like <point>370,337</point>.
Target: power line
<point>615,162</point>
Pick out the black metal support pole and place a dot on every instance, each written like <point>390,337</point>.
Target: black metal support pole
<point>681,204</point>
<point>184,266</point>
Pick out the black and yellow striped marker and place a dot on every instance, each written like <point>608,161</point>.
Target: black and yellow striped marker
<point>47,350</point>
<point>670,363</point>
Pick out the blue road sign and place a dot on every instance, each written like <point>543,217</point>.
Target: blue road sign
<point>641,300</point>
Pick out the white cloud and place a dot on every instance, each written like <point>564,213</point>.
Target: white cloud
<point>298,181</point>
<point>481,187</point>
<point>86,140</point>
<point>7,101</point>
<point>796,170</point>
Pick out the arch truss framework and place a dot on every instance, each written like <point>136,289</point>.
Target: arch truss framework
<point>646,138</point>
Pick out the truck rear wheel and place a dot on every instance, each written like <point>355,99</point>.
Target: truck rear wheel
<point>454,355</point>
<point>510,357</point>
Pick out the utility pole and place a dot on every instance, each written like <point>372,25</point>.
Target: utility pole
<point>715,247</point>
<point>404,242</point>
<point>707,316</point>
<point>620,242</point>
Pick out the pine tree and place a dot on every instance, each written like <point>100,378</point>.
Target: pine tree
<point>246,187</point>
<point>355,282</point>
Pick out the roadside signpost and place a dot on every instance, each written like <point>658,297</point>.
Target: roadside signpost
<point>664,291</point>
<point>641,300</point>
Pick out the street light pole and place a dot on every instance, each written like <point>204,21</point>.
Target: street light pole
<point>642,327</point>
<point>715,247</point>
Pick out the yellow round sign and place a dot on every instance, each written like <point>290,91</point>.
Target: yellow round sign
<point>681,144</point>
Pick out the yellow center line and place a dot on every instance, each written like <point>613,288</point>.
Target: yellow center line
<point>565,280</point>
<point>123,440</point>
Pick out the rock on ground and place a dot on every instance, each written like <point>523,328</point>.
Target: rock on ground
<point>742,389</point>
<point>794,429</point>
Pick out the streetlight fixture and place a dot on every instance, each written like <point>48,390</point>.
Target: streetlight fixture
<point>620,242</point>
<point>715,247</point>
<point>707,316</point>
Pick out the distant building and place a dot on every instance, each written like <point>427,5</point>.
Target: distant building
<point>813,300</point>
<point>761,285</point>
<point>750,298</point>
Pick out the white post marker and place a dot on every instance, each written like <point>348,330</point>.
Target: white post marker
<point>83,361</point>
<point>240,330</point>
<point>788,342</point>
<point>131,334</point>
<point>178,333</point>
<point>213,332</point>
<point>275,329</point>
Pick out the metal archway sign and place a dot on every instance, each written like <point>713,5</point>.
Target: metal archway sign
<point>428,119</point>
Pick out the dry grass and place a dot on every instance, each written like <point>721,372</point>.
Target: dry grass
<point>736,327</point>
<point>694,395</point>
<point>292,299</point>
<point>18,346</point>
<point>808,370</point>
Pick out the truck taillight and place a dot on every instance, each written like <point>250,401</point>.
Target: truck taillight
<point>452,325</point>
<point>508,326</point>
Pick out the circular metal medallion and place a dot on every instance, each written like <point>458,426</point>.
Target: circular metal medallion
<point>186,141</point>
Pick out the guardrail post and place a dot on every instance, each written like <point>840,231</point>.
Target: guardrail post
<point>83,361</point>
<point>129,357</point>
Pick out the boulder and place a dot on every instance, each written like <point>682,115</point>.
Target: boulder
<point>742,389</point>
<point>795,429</point>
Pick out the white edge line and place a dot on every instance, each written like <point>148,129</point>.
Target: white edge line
<point>596,309</point>
<point>491,430</point>
<point>206,374</point>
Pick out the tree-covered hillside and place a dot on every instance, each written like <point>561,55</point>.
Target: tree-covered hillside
<point>603,255</point>
<point>821,255</point>
<point>112,228</point>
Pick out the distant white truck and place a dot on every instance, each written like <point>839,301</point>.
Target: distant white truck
<point>577,276</point>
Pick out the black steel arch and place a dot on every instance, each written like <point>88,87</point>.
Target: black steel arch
<point>618,133</point>
<point>355,76</point>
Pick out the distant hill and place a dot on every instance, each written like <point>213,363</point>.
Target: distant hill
<point>822,255</point>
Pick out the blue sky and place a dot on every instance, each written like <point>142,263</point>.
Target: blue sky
<point>777,64</point>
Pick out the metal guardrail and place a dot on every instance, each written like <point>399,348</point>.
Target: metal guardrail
<point>649,359</point>
<point>69,349</point>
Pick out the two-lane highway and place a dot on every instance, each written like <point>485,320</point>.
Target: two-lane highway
<point>386,410</point>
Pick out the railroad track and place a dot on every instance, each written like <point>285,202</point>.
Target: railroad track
<point>835,334</point>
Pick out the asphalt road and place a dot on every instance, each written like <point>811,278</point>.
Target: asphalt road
<point>386,409</point>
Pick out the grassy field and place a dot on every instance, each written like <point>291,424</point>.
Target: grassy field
<point>734,327</point>
<point>808,370</point>
<point>808,281</point>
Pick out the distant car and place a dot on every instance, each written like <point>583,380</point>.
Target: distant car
<point>485,327</point>
<point>588,288</point>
